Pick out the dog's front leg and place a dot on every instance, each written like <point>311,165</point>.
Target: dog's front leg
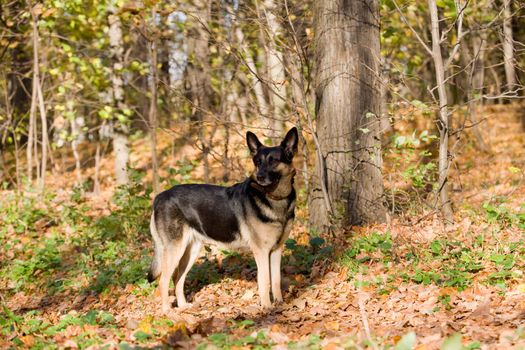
<point>275,271</point>
<point>262,258</point>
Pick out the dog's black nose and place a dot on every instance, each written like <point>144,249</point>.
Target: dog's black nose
<point>260,177</point>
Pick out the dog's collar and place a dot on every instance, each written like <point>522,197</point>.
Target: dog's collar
<point>268,193</point>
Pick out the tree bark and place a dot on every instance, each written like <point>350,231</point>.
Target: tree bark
<point>275,66</point>
<point>37,99</point>
<point>508,46</point>
<point>201,91</point>
<point>18,75</point>
<point>443,120</point>
<point>120,130</point>
<point>153,103</point>
<point>253,75</point>
<point>347,87</point>
<point>474,84</point>
<point>96,184</point>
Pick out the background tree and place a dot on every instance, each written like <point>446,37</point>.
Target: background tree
<point>347,88</point>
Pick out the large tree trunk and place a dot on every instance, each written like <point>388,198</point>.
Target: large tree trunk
<point>443,121</point>
<point>120,138</point>
<point>508,46</point>
<point>348,113</point>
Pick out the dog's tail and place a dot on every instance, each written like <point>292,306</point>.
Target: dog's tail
<point>154,269</point>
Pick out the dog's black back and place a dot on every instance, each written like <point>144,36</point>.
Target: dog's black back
<point>215,211</point>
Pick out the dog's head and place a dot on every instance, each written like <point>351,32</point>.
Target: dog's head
<point>272,163</point>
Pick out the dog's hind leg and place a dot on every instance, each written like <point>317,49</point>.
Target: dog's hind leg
<point>190,255</point>
<point>262,258</point>
<point>275,272</point>
<point>171,255</point>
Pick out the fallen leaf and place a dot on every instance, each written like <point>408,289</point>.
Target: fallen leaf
<point>299,303</point>
<point>28,340</point>
<point>248,295</point>
<point>332,325</point>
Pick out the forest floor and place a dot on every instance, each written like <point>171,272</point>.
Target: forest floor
<point>72,272</point>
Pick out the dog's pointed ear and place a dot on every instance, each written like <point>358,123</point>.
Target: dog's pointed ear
<point>253,142</point>
<point>290,142</point>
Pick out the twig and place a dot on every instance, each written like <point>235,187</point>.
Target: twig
<point>364,319</point>
<point>403,18</point>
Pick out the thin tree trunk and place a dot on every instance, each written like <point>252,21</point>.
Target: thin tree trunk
<point>31,133</point>
<point>35,149</point>
<point>76,155</point>
<point>96,185</point>
<point>443,121</point>
<point>11,128</point>
<point>300,106</point>
<point>253,75</point>
<point>121,149</point>
<point>201,91</point>
<point>275,66</point>
<point>508,46</point>
<point>347,86</point>
<point>17,162</point>
<point>45,136</point>
<point>153,103</point>
<point>475,85</point>
<point>497,82</point>
<point>39,99</point>
<point>386,126</point>
<point>120,138</point>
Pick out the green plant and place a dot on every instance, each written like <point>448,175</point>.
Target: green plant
<point>375,246</point>
<point>303,257</point>
<point>133,207</point>
<point>181,173</point>
<point>501,215</point>
<point>44,260</point>
<point>256,340</point>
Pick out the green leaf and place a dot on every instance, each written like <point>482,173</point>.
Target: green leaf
<point>317,242</point>
<point>452,343</point>
<point>407,342</point>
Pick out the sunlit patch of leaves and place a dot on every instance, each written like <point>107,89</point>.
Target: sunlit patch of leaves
<point>43,261</point>
<point>32,324</point>
<point>501,215</point>
<point>443,262</point>
<point>256,340</point>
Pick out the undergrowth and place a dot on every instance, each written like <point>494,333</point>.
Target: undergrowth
<point>445,262</point>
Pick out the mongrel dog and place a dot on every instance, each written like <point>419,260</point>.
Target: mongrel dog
<point>255,214</point>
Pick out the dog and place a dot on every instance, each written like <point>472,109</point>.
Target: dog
<point>256,214</point>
